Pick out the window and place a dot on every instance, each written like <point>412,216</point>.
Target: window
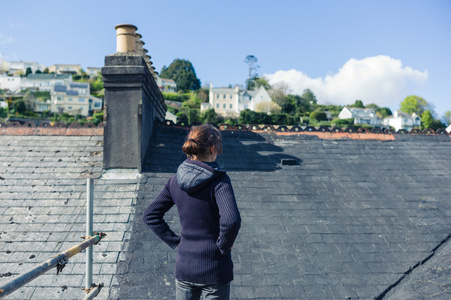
<point>217,105</point>
<point>81,99</point>
<point>59,98</point>
<point>231,96</point>
<point>70,99</point>
<point>231,106</point>
<point>224,105</point>
<point>97,104</point>
<point>217,96</point>
<point>223,96</point>
<point>69,107</point>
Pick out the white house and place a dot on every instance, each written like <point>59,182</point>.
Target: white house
<point>45,82</point>
<point>65,69</point>
<point>22,66</point>
<point>360,116</point>
<point>93,72</point>
<point>400,120</point>
<point>229,102</point>
<point>12,83</point>
<point>74,98</point>
<point>170,116</point>
<point>167,85</point>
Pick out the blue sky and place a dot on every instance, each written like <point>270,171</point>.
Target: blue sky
<point>377,51</point>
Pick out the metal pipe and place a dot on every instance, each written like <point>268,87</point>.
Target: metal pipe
<point>58,260</point>
<point>94,292</point>
<point>89,229</point>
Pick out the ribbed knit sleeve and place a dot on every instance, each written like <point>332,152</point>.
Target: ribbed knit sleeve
<point>153,216</point>
<point>229,215</point>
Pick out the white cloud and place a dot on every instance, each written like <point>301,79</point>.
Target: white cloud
<point>378,79</point>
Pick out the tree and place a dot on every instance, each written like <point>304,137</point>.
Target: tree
<point>208,116</point>
<point>3,112</point>
<point>318,115</point>
<point>20,107</point>
<point>46,71</point>
<point>382,112</point>
<point>415,104</point>
<point>38,72</point>
<point>262,81</point>
<point>193,102</point>
<point>308,96</point>
<point>358,104</point>
<point>29,99</point>
<point>279,93</point>
<point>251,61</point>
<point>248,116</point>
<point>28,72</point>
<point>268,107</point>
<point>183,73</point>
<point>447,117</point>
<point>426,119</point>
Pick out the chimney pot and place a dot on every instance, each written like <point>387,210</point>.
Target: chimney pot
<point>125,38</point>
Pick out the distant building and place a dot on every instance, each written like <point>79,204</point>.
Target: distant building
<point>65,69</point>
<point>361,116</point>
<point>12,83</point>
<point>93,72</point>
<point>22,66</point>
<point>167,85</point>
<point>400,120</point>
<point>229,102</point>
<point>74,98</point>
<point>45,82</point>
<point>170,116</point>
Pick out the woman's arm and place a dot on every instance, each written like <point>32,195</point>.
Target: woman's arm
<point>229,216</point>
<point>153,216</point>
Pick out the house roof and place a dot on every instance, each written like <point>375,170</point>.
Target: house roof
<point>351,219</point>
<point>362,112</point>
<point>42,211</point>
<point>44,76</point>
<point>223,90</point>
<point>346,222</point>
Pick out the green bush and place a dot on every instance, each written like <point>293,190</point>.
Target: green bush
<point>318,115</point>
<point>342,122</point>
<point>97,118</point>
<point>20,107</point>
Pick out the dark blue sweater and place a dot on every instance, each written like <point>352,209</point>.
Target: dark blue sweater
<point>209,220</point>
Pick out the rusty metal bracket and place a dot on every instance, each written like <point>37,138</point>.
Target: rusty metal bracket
<point>61,264</point>
<point>101,235</point>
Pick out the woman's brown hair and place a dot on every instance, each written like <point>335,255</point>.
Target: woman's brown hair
<point>200,139</point>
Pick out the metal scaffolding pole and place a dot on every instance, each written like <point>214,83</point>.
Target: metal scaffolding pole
<point>58,261</point>
<point>89,230</point>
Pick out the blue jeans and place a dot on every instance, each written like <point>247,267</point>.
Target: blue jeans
<point>193,291</point>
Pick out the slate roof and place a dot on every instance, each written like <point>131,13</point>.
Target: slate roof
<point>43,209</point>
<point>353,219</point>
<point>43,76</point>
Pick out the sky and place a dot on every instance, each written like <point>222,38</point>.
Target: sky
<point>375,51</point>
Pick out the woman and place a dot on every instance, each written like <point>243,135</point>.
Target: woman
<point>209,219</point>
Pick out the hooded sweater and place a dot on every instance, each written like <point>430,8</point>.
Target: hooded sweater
<point>209,220</point>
